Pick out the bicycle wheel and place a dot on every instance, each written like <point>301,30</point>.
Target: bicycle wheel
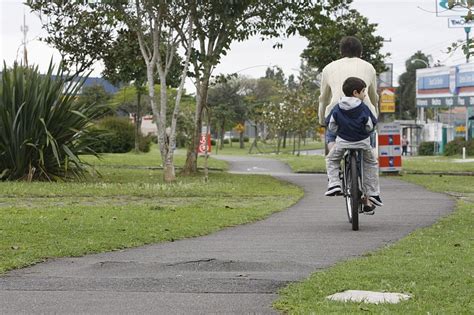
<point>346,186</point>
<point>355,193</point>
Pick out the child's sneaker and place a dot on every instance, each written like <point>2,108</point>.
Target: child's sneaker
<point>369,210</point>
<point>333,191</point>
<point>376,200</point>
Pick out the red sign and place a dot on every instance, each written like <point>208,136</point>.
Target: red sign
<point>202,144</point>
<point>390,152</point>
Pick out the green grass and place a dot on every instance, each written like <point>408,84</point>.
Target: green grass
<point>435,265</point>
<point>419,164</point>
<point>425,164</point>
<point>127,207</point>
<point>150,159</point>
<point>266,148</point>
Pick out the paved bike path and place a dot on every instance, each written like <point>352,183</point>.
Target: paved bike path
<point>237,270</point>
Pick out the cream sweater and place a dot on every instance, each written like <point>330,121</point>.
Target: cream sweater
<point>334,75</point>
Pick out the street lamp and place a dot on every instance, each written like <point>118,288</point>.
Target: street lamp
<point>420,60</point>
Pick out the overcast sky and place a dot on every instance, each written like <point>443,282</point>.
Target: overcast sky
<point>411,25</point>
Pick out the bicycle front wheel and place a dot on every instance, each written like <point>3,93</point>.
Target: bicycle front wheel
<point>354,193</point>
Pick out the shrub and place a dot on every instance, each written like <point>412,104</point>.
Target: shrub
<point>235,139</point>
<point>42,128</point>
<point>426,148</point>
<point>118,135</point>
<point>213,142</point>
<point>246,139</point>
<point>144,143</point>
<point>455,147</point>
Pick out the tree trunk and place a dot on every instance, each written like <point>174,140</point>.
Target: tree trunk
<point>190,167</point>
<point>294,144</point>
<point>138,122</point>
<point>279,142</point>
<point>241,140</point>
<point>284,139</point>
<point>222,135</point>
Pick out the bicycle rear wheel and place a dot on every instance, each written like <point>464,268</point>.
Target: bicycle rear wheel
<point>346,186</point>
<point>355,193</point>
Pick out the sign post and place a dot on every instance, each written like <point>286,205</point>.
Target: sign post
<point>390,153</point>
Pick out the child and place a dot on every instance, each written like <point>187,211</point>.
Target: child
<point>353,122</point>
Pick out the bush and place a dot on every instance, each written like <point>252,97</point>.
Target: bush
<point>246,139</point>
<point>213,142</point>
<point>426,148</point>
<point>118,136</point>
<point>144,143</point>
<point>455,147</point>
<point>43,129</point>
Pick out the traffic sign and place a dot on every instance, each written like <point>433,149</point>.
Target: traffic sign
<point>459,22</point>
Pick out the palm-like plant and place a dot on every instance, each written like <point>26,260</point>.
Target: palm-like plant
<point>42,128</point>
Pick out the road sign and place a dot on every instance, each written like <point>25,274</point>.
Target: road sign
<point>203,143</point>
<point>442,9</point>
<point>390,153</point>
<point>459,22</point>
<point>387,100</point>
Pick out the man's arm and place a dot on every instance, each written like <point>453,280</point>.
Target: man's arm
<point>324,98</point>
<point>373,96</point>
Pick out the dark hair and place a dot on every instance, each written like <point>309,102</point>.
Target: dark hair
<point>350,46</point>
<point>353,84</point>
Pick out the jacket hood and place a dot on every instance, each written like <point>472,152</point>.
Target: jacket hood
<point>348,103</point>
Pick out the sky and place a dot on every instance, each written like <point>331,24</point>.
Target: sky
<point>408,25</point>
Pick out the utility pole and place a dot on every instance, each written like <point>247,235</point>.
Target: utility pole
<point>24,29</point>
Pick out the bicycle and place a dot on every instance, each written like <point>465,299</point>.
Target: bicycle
<point>352,185</point>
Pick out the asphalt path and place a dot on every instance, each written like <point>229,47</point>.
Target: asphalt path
<point>235,271</point>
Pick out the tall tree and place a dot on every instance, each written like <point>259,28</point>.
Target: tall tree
<point>406,92</point>
<point>124,64</point>
<point>225,102</point>
<point>156,24</point>
<point>81,32</point>
<point>323,42</point>
<point>218,23</point>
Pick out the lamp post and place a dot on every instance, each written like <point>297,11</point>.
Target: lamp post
<point>420,60</point>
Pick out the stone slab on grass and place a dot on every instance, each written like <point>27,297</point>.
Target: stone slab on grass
<point>369,297</point>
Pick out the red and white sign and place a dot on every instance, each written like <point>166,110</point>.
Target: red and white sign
<point>203,143</point>
<point>390,152</point>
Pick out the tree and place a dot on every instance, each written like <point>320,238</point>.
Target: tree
<point>468,45</point>
<point>225,103</point>
<point>218,23</point>
<point>95,95</point>
<point>323,46</point>
<point>156,25</point>
<point>124,64</point>
<point>258,93</point>
<point>81,32</point>
<point>406,91</point>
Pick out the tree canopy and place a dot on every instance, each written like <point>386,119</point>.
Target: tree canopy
<point>406,91</point>
<point>323,46</point>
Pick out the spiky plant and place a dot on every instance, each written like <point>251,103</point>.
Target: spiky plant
<point>43,130</point>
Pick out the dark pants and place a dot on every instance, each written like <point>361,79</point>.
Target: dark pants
<point>404,150</point>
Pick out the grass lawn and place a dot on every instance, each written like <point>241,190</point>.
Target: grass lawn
<point>126,207</point>
<point>419,164</point>
<point>266,148</point>
<point>435,265</point>
<point>424,164</point>
<point>150,159</point>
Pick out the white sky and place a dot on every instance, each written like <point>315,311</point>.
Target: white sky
<point>406,22</point>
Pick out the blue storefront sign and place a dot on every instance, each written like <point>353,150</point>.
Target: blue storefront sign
<point>445,86</point>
